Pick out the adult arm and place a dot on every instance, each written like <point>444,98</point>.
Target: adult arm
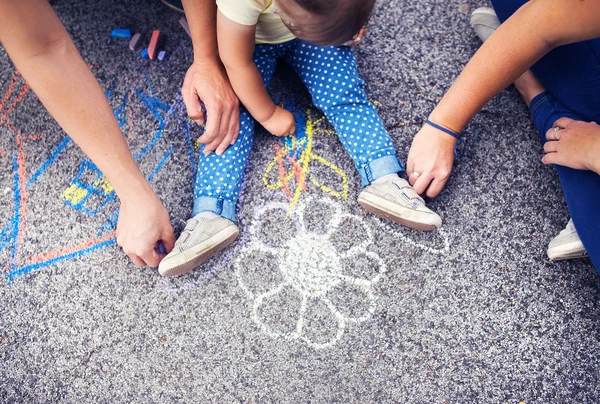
<point>236,47</point>
<point>530,33</point>
<point>206,81</point>
<point>43,52</point>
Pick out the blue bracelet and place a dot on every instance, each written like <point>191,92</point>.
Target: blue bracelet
<point>459,147</point>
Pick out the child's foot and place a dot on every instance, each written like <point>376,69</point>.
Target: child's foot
<point>200,240</point>
<point>484,21</point>
<point>397,201</point>
<point>567,245</point>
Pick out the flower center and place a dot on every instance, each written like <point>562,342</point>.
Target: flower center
<point>312,265</point>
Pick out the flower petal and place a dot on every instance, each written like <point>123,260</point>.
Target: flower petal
<point>261,273</point>
<point>319,216</point>
<point>278,312</point>
<point>273,226</point>
<point>323,325</point>
<point>354,300</point>
<point>352,233</point>
<point>365,265</point>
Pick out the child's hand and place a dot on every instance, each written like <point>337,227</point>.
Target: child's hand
<point>281,123</point>
<point>358,38</point>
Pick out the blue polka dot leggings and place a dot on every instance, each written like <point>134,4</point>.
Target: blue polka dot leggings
<point>331,76</point>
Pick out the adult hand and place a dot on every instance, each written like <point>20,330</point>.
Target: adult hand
<point>143,223</point>
<point>207,81</point>
<point>358,38</point>
<point>430,161</point>
<point>281,123</point>
<point>575,144</point>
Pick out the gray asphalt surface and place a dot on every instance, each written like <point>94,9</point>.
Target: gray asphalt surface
<point>317,301</point>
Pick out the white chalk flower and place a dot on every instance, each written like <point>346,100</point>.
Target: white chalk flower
<point>307,286</point>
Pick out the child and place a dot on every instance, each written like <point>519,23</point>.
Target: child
<point>252,34</point>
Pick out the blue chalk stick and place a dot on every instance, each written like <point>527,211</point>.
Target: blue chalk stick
<point>161,55</point>
<point>121,33</point>
<point>161,248</point>
<point>144,54</point>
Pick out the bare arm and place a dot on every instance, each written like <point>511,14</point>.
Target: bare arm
<point>45,55</point>
<point>206,81</point>
<point>535,29</point>
<point>236,47</point>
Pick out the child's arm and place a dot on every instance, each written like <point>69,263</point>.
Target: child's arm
<point>236,47</point>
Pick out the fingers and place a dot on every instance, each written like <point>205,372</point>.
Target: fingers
<point>213,125</point>
<point>137,261</point>
<point>192,104</point>
<point>551,147</point>
<point>422,182</point>
<point>235,124</point>
<point>168,239</point>
<point>563,123</point>
<point>151,257</point>
<point>553,134</point>
<point>436,187</point>
<point>232,132</point>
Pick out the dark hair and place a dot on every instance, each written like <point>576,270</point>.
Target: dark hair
<point>331,22</point>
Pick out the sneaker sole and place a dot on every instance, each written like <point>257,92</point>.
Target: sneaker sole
<point>384,208</point>
<point>195,256</point>
<point>568,254</point>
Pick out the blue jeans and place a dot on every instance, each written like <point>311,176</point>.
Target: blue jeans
<point>331,76</point>
<point>571,75</point>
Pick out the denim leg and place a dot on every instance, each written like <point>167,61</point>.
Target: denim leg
<point>581,188</point>
<point>331,76</point>
<point>219,178</point>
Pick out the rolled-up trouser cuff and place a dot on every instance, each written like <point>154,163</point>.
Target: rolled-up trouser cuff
<point>219,206</point>
<point>369,172</point>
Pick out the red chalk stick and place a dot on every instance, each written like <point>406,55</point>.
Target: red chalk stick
<point>153,43</point>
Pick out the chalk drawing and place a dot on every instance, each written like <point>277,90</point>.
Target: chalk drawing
<point>87,184</point>
<point>293,159</point>
<point>310,264</point>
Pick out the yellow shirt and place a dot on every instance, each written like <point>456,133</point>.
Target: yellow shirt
<point>262,13</point>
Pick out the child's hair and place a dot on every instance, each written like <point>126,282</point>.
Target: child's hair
<point>329,22</point>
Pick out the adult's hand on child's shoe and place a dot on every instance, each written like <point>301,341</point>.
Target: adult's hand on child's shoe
<point>574,144</point>
<point>281,123</point>
<point>143,224</point>
<point>207,81</point>
<point>358,38</point>
<point>430,161</point>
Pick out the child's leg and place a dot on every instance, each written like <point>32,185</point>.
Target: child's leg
<point>331,76</point>
<point>219,178</point>
<point>217,187</point>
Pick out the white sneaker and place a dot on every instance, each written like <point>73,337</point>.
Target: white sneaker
<point>396,200</point>
<point>484,21</point>
<point>566,245</point>
<point>200,240</point>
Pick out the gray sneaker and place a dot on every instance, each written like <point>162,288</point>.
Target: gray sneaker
<point>199,241</point>
<point>567,245</point>
<point>396,200</point>
<point>484,21</point>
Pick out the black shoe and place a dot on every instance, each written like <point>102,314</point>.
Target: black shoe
<point>174,4</point>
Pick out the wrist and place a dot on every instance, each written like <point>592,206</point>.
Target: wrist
<point>444,120</point>
<point>267,113</point>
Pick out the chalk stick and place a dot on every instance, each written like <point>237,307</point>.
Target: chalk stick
<point>161,55</point>
<point>134,41</point>
<point>153,44</point>
<point>144,53</point>
<point>161,248</point>
<point>184,24</point>
<point>121,33</point>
